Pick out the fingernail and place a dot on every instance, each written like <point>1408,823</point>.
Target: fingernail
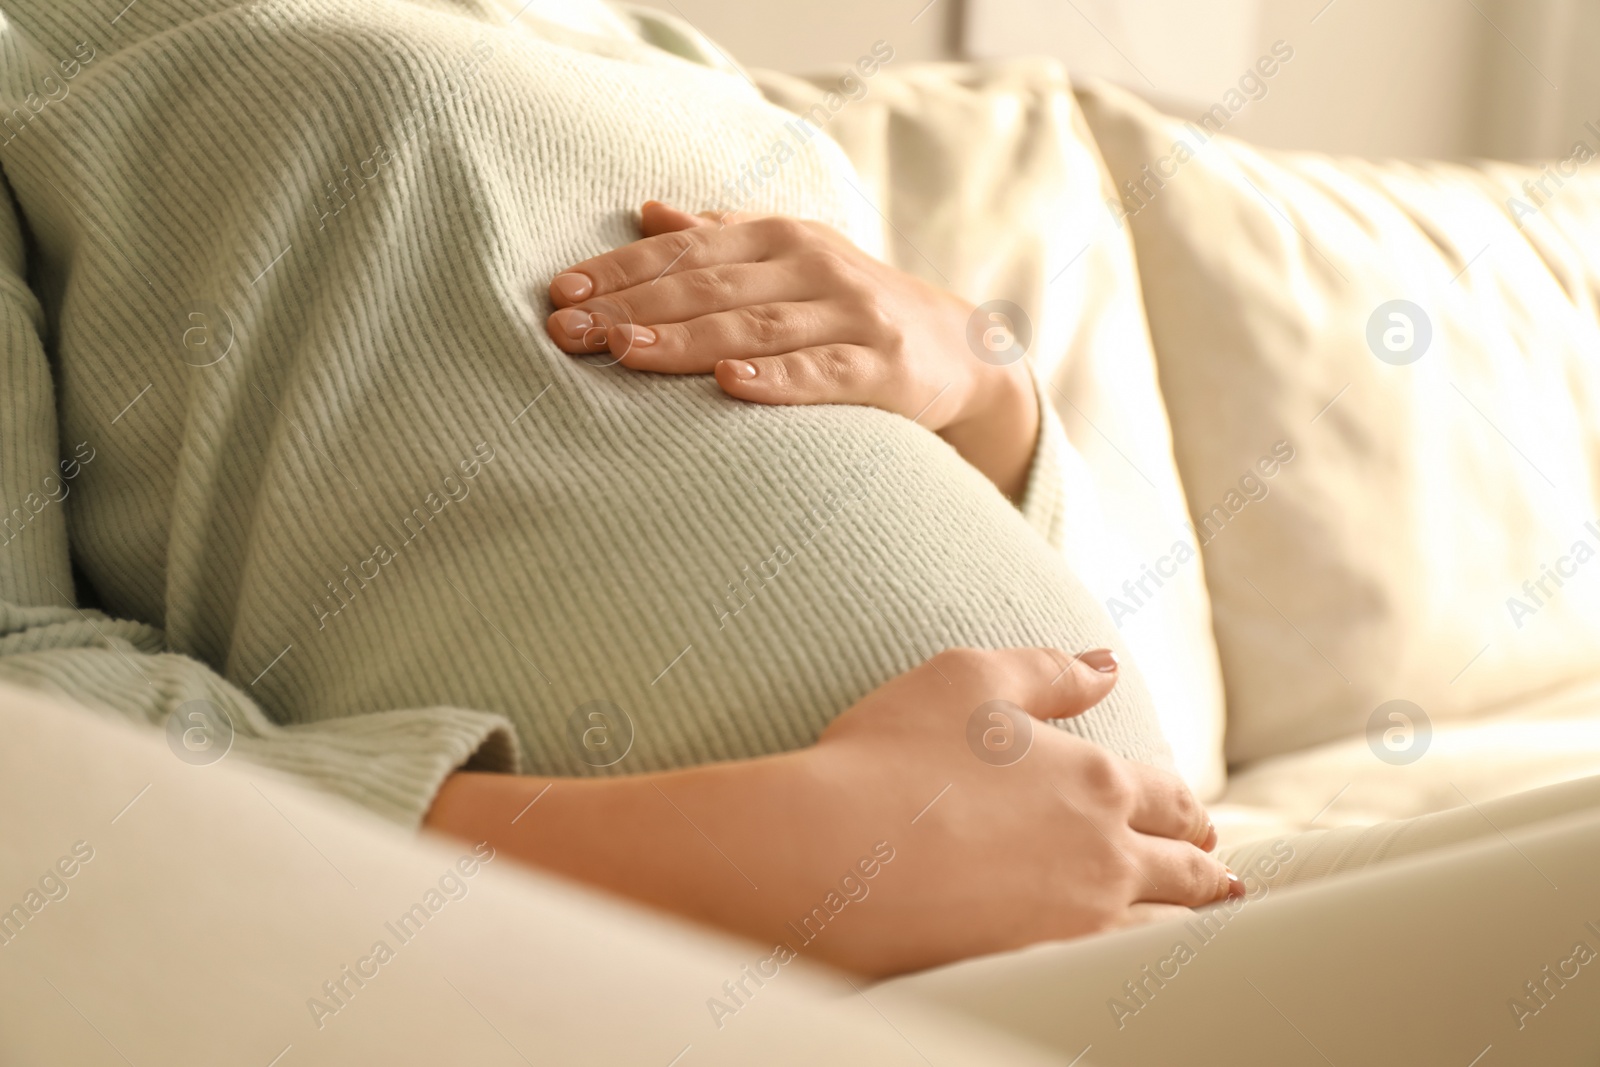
<point>637,336</point>
<point>1101,659</point>
<point>741,369</point>
<point>1236,888</point>
<point>575,322</point>
<point>573,286</point>
<point>1210,841</point>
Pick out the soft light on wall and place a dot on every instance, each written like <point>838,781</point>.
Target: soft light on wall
<point>1185,51</point>
<point>1419,78</point>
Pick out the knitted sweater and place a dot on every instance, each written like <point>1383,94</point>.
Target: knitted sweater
<point>289,467</point>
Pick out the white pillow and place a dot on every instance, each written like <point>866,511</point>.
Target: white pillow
<point>1399,554</point>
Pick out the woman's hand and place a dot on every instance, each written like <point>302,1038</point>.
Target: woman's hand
<point>1001,831</point>
<point>1067,840</point>
<point>790,312</point>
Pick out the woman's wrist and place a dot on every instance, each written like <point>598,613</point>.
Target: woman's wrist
<point>998,430</point>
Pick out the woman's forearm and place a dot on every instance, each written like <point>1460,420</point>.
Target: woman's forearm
<point>902,839</point>
<point>744,845</point>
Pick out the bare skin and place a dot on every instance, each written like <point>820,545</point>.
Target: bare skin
<point>1069,840</point>
<point>784,311</point>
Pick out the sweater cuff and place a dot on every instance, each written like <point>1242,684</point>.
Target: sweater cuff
<point>392,763</point>
<point>1044,499</point>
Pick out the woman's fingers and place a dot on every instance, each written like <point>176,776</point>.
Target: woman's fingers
<point>1176,872</point>
<point>825,374</point>
<point>1061,685</point>
<point>1084,680</point>
<point>657,218</point>
<point>651,258</point>
<point>1164,806</point>
<point>698,345</point>
<point>684,296</point>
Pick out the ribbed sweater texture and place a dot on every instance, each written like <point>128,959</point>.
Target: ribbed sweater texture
<point>282,432</point>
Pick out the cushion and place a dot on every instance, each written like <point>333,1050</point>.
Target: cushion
<point>1413,352</point>
<point>990,185</point>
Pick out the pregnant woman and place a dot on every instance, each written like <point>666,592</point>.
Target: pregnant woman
<point>352,506</point>
<point>351,429</point>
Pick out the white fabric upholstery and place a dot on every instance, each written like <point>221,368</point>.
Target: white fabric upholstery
<point>217,900</point>
<point>1538,742</point>
<point>1403,960</point>
<point>1423,496</point>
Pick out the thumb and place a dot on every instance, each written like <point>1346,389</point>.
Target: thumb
<point>1058,685</point>
<point>1046,683</point>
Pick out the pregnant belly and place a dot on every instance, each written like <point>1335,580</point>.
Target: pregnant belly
<point>394,493</point>
<point>642,574</point>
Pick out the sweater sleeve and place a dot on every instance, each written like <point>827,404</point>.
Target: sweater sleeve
<point>391,762</point>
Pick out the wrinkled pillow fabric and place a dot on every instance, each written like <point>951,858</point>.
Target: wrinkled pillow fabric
<point>1413,351</point>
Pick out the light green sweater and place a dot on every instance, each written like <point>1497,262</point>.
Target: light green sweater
<point>282,430</point>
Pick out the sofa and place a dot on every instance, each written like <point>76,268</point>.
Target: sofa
<point>185,914</point>
<point>1336,422</point>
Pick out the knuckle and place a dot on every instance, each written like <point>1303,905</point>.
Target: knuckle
<point>1120,790</point>
<point>872,319</point>
<point>782,231</point>
<point>821,229</point>
<point>776,375</point>
<point>678,248</point>
<point>799,377</point>
<point>1206,880</point>
<point>610,311</point>
<point>834,365</point>
<point>1044,667</point>
<point>966,661</point>
<point>1106,775</point>
<point>707,286</point>
<point>763,325</point>
<point>879,321</point>
<point>827,265</point>
<point>1187,807</point>
<point>682,336</point>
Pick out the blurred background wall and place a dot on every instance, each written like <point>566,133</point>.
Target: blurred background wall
<point>1421,78</point>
